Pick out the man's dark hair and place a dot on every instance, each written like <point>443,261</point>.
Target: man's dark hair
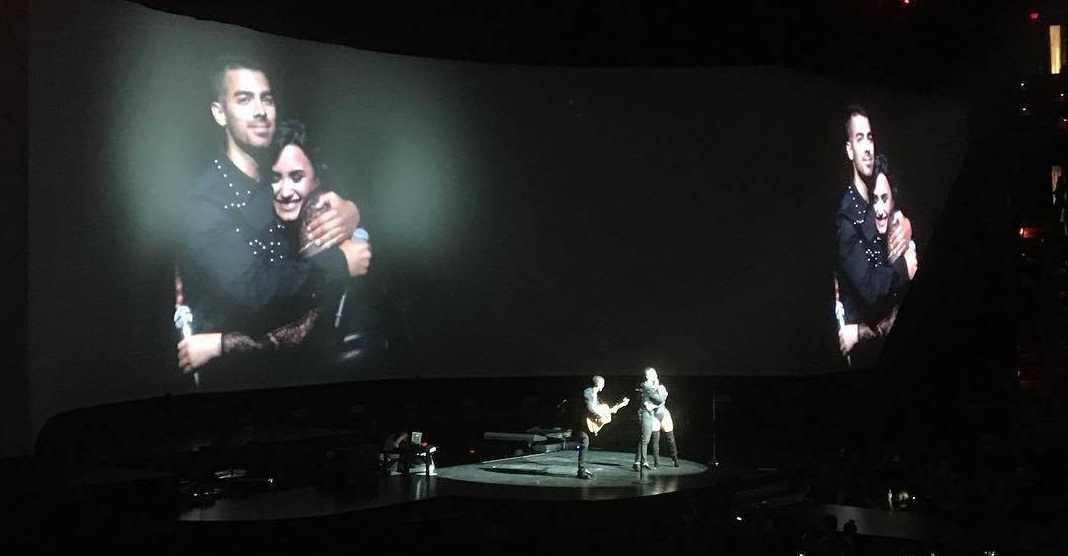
<point>850,111</point>
<point>229,62</point>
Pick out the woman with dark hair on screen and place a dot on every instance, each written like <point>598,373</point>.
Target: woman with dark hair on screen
<point>854,330</point>
<point>295,180</point>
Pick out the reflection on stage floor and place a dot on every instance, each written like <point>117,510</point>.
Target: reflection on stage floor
<point>539,476</point>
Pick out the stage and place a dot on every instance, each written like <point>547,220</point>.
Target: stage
<point>522,502</point>
<point>538,475</point>
<point>544,476</point>
<point>307,489</point>
<point>502,477</point>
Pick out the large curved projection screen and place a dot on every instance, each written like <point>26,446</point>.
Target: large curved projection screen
<point>525,220</point>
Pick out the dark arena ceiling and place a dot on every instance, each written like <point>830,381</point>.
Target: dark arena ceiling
<point>920,44</point>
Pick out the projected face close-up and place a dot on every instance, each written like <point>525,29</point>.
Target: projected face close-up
<point>246,108</point>
<point>292,179</point>
<point>882,203</point>
<point>861,145</point>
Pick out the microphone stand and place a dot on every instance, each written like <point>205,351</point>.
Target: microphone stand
<point>640,455</point>
<point>714,462</point>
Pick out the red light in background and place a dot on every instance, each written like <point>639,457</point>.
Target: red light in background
<point>1034,16</point>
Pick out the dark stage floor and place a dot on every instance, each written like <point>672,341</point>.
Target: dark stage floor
<point>517,505</point>
<point>545,476</point>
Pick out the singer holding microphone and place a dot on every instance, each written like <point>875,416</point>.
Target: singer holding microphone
<point>295,184</point>
<point>654,418</point>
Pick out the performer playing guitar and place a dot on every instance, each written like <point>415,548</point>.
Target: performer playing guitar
<point>596,416</point>
<point>603,415</point>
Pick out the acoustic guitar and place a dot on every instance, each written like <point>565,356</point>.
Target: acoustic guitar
<point>597,422</point>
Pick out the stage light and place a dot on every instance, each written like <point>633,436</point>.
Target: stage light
<point>1034,16</point>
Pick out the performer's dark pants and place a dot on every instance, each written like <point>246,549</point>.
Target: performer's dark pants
<point>583,439</point>
<point>647,419</point>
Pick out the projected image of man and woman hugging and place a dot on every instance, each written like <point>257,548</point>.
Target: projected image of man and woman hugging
<point>268,252</point>
<point>876,257</point>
